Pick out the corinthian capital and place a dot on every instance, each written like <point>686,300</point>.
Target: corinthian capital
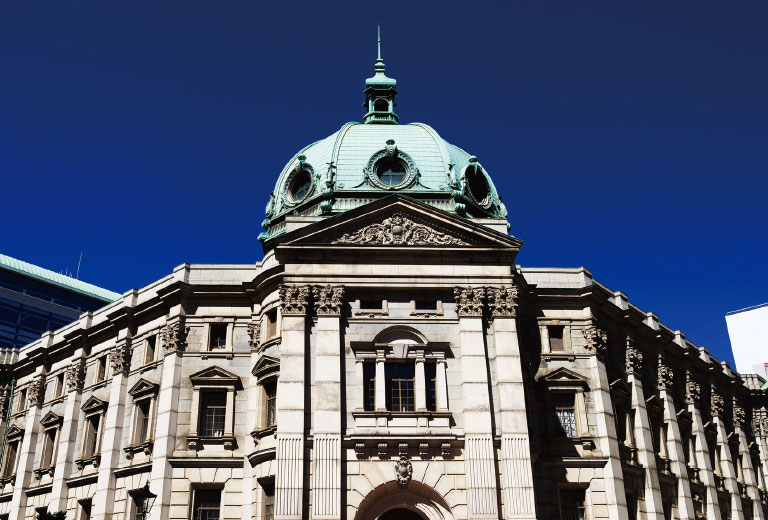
<point>469,301</point>
<point>596,340</point>
<point>76,376</point>
<point>294,299</point>
<point>665,376</point>
<point>174,337</point>
<point>120,358</point>
<point>328,300</point>
<point>502,301</point>
<point>692,390</point>
<point>634,360</point>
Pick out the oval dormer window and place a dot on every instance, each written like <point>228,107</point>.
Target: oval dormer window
<point>390,171</point>
<point>300,186</point>
<point>478,185</point>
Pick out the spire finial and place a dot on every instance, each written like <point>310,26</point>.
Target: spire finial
<point>379,28</point>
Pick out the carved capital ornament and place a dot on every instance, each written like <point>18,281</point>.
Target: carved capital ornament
<point>469,301</point>
<point>692,391</point>
<point>502,301</point>
<point>254,335</point>
<point>665,375</point>
<point>120,357</point>
<point>294,299</point>
<point>328,299</point>
<point>75,376</point>
<point>174,337</point>
<point>634,360</point>
<point>596,340</point>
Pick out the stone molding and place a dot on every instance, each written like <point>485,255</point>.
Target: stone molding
<point>294,299</point>
<point>76,376</point>
<point>469,301</point>
<point>717,404</point>
<point>739,415</point>
<point>174,337</point>
<point>36,392</point>
<point>634,359</point>
<point>120,357</point>
<point>399,230</point>
<point>403,470</point>
<point>692,391</point>
<point>328,300</point>
<point>502,301</point>
<point>596,340</point>
<point>254,335</point>
<point>665,376</point>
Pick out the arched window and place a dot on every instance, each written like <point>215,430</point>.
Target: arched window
<point>381,105</point>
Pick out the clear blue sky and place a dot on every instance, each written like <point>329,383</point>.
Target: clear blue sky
<point>628,137</point>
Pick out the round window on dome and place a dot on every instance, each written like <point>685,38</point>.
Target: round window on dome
<point>300,186</point>
<point>478,185</point>
<point>390,171</point>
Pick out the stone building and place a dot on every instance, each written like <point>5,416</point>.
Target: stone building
<point>386,359</point>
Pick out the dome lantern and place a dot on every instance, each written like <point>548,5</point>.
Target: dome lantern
<point>380,94</point>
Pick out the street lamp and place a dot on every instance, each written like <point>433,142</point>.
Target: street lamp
<point>144,499</point>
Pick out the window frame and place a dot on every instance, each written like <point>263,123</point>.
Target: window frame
<point>227,338</point>
<point>213,379</point>
<point>8,469</point>
<point>267,373</point>
<point>581,511</point>
<point>142,392</point>
<point>150,349</point>
<point>195,507</point>
<point>51,424</point>
<point>93,409</point>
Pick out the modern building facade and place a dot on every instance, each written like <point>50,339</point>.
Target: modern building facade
<point>749,339</point>
<point>386,359</point>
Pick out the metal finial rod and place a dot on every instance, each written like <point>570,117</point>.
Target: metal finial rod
<point>379,28</point>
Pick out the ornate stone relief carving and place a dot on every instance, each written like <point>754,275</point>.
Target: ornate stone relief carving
<point>75,376</point>
<point>692,390</point>
<point>36,392</point>
<point>254,335</point>
<point>502,301</point>
<point>469,300</point>
<point>634,359</point>
<point>174,337</point>
<point>665,375</point>
<point>294,299</point>
<point>739,415</point>
<point>399,230</point>
<point>328,300</point>
<point>403,471</point>
<point>120,357</point>
<point>596,340</point>
<point>717,403</point>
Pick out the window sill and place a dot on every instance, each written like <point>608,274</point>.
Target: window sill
<point>389,413</point>
<point>195,442</point>
<point>227,353</point>
<point>40,472</point>
<point>93,460</point>
<point>418,419</point>
<point>259,434</point>
<point>132,449</point>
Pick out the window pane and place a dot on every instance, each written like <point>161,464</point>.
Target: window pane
<point>572,504</point>
<point>269,500</point>
<point>399,384</point>
<point>213,414</point>
<point>369,386</point>
<point>218,336</point>
<point>565,412</point>
<point>270,389</point>
<point>556,339</point>
<point>430,372</point>
<point>207,504</point>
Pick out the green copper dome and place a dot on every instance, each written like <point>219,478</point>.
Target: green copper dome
<point>361,163</point>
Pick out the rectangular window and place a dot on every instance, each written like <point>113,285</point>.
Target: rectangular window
<point>9,461</point>
<point>143,416</point>
<point>59,387</point>
<point>85,510</point>
<point>270,389</point>
<point>218,339</point>
<point>90,446</point>
<point>21,402</point>
<point>270,320</point>
<point>371,305</point>
<point>49,446</point>
<point>430,373</point>
<point>207,504</point>
<point>369,386</point>
<point>572,504</point>
<point>214,411</point>
<point>565,413</point>
<point>269,500</point>
<point>399,385</point>
<point>556,339</point>
<point>101,368</point>
<point>425,305</point>
<point>149,349</point>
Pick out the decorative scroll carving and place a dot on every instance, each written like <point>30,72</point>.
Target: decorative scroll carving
<point>4,394</point>
<point>254,335</point>
<point>75,376</point>
<point>665,375</point>
<point>399,230</point>
<point>596,340</point>
<point>739,415</point>
<point>120,357</point>
<point>294,299</point>
<point>502,301</point>
<point>174,337</point>
<point>692,391</point>
<point>403,471</point>
<point>36,392</point>
<point>634,360</point>
<point>328,300</point>
<point>717,403</point>
<point>469,300</point>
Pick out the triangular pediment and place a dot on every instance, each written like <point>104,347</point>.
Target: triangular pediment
<point>397,222</point>
<point>654,405</point>
<point>215,376</point>
<point>266,365</point>
<point>50,419</point>
<point>142,387</point>
<point>684,417</point>
<point>14,430</point>
<point>93,403</point>
<point>564,377</point>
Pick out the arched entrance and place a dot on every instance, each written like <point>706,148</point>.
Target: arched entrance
<point>415,501</point>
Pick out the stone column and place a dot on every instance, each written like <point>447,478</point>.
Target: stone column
<point>726,463</point>
<point>442,385</point>
<point>120,359</point>
<point>174,338</point>
<point>289,485</point>
<point>28,448</point>
<point>69,430</point>
<point>326,446</point>
<point>706,471</point>
<point>675,447</point>
<point>516,470</point>
<point>646,454</point>
<point>750,476</point>
<point>479,452</point>
<point>615,498</point>
<point>420,386</point>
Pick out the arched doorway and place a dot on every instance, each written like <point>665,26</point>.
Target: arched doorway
<point>400,514</point>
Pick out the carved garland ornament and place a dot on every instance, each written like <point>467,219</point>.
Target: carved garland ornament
<point>174,337</point>
<point>403,471</point>
<point>399,230</point>
<point>75,376</point>
<point>596,340</point>
<point>328,300</point>
<point>294,299</point>
<point>502,301</point>
<point>469,300</point>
